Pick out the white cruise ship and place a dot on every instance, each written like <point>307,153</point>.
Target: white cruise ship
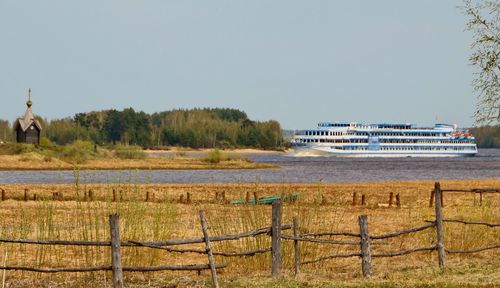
<point>385,140</point>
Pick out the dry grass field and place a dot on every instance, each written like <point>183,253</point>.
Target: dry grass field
<point>321,208</point>
<point>34,161</point>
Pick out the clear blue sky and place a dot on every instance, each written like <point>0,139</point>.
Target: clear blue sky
<point>298,62</point>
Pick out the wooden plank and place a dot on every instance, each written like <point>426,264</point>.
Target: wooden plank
<point>366,256</point>
<point>331,257</point>
<point>406,231</point>
<point>439,225</point>
<point>405,252</point>
<point>276,238</point>
<point>472,222</point>
<point>325,241</point>
<point>191,267</point>
<point>475,250</point>
<point>471,190</point>
<point>174,242</point>
<point>349,234</point>
<point>208,248</point>
<point>116,260</point>
<point>296,254</point>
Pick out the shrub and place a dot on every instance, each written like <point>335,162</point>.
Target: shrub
<point>215,156</point>
<point>78,151</point>
<point>16,148</point>
<point>46,143</point>
<point>129,152</point>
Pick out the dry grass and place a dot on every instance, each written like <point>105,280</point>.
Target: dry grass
<point>34,161</point>
<point>165,218</point>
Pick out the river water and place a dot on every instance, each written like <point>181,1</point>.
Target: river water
<point>293,170</point>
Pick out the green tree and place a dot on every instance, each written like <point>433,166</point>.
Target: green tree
<point>113,126</point>
<point>6,132</point>
<point>61,131</point>
<point>484,23</point>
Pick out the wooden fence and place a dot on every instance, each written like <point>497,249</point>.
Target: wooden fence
<point>362,239</point>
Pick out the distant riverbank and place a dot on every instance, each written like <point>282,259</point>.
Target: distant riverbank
<point>186,150</point>
<point>153,161</point>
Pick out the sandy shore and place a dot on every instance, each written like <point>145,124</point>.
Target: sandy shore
<point>204,151</point>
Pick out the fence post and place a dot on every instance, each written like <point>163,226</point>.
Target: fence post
<point>296,259</point>
<point>3,195</point>
<point>354,196</point>
<point>366,253</point>
<point>208,248</point>
<point>276,238</point>
<point>116,259</point>
<point>25,194</point>
<point>439,224</point>
<point>391,196</point>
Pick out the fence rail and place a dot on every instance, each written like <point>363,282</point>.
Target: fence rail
<point>479,191</point>
<point>116,245</point>
<point>403,232</point>
<point>366,239</point>
<point>194,267</point>
<point>151,244</point>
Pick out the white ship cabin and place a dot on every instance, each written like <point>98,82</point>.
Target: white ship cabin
<point>342,132</point>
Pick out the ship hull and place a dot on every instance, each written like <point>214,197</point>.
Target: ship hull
<point>334,152</point>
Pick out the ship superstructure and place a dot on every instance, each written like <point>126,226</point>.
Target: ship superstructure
<point>385,140</point>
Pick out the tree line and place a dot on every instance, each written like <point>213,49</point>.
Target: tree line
<point>195,128</point>
<point>487,136</point>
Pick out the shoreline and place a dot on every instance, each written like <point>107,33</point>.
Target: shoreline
<point>206,150</point>
<point>495,184</point>
<point>38,163</point>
